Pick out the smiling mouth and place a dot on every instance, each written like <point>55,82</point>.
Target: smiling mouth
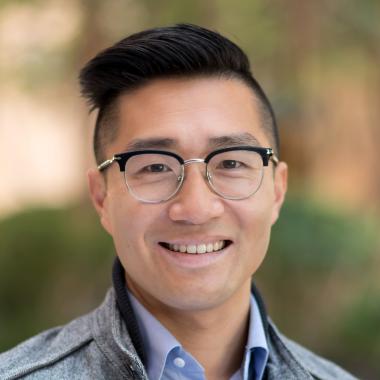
<point>197,249</point>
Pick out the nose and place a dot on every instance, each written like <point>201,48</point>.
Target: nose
<point>195,203</point>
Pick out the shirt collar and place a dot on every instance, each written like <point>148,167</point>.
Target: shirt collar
<point>257,346</point>
<point>158,341</point>
<point>256,333</point>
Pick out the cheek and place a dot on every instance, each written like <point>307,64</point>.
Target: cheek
<point>128,226</point>
<point>133,224</point>
<point>255,214</point>
<point>255,220</point>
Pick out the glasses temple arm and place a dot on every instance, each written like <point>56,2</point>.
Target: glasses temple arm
<point>272,156</point>
<point>274,159</point>
<point>105,164</point>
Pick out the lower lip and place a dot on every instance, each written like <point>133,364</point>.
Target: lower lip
<point>188,260</point>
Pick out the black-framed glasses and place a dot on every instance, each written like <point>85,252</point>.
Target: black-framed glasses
<point>155,176</point>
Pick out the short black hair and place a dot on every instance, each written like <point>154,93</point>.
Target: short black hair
<point>182,50</point>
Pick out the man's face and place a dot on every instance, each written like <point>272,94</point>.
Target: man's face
<point>189,112</point>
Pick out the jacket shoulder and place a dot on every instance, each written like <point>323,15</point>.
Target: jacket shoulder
<point>316,365</point>
<point>45,349</point>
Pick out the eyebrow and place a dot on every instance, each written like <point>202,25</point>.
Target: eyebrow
<point>213,143</point>
<point>151,143</point>
<point>233,140</point>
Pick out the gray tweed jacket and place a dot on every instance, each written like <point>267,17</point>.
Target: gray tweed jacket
<point>98,346</point>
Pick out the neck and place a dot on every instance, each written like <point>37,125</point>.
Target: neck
<point>216,337</point>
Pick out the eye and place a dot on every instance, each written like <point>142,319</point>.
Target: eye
<point>156,168</point>
<point>231,164</point>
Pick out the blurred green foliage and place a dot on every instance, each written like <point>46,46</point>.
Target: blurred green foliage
<point>56,263</point>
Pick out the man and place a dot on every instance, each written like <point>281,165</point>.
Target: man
<point>188,185</point>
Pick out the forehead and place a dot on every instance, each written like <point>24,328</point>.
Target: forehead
<point>189,115</point>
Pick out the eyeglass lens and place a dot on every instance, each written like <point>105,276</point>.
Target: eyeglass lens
<point>157,177</point>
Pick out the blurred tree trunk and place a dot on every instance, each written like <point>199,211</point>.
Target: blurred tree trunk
<point>91,39</point>
<point>302,22</point>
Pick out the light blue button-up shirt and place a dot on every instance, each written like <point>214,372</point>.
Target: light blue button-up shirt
<point>167,360</point>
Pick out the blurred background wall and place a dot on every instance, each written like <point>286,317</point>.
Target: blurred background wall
<point>319,63</point>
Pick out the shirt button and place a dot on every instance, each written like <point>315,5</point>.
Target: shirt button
<point>179,362</point>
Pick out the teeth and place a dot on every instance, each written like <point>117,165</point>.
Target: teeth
<point>199,248</point>
<point>191,249</point>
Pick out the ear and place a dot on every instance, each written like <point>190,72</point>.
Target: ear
<point>280,187</point>
<point>98,192</point>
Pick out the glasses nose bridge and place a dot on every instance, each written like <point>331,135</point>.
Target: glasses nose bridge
<point>196,161</point>
<point>193,161</point>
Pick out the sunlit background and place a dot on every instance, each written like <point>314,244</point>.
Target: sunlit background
<point>319,63</point>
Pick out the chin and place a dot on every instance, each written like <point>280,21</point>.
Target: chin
<point>196,299</point>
